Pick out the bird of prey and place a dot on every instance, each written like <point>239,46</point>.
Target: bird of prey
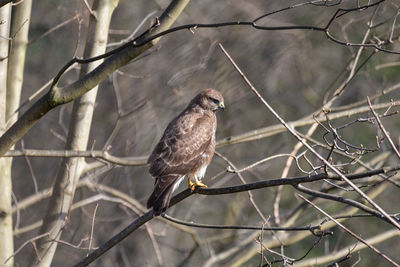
<point>185,149</point>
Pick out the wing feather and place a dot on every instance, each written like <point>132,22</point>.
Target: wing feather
<point>184,141</point>
<point>185,148</point>
<point>162,193</point>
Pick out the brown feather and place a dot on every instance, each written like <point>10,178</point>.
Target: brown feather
<point>187,145</point>
<point>161,195</point>
<point>182,145</point>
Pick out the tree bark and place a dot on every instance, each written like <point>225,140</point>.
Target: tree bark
<point>6,233</point>
<point>78,135</point>
<point>12,70</point>
<point>61,95</point>
<point>21,17</point>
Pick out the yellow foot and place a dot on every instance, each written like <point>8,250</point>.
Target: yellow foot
<point>199,184</point>
<point>192,185</point>
<point>196,183</point>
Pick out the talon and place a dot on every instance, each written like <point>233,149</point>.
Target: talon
<point>192,185</point>
<point>199,184</point>
<point>195,183</point>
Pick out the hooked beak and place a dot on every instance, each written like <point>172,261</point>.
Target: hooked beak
<point>221,105</point>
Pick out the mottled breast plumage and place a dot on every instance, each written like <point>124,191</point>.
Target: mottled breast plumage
<point>185,148</point>
<point>185,139</point>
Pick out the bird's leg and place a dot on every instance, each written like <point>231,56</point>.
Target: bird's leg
<point>198,183</point>
<point>190,183</point>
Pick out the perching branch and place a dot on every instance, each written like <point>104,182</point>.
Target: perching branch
<point>218,191</point>
<point>318,82</point>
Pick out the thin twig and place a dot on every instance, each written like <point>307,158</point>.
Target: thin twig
<point>315,230</point>
<point>350,232</point>
<point>92,228</point>
<point>294,133</point>
<point>28,161</point>
<point>32,240</point>
<point>76,17</point>
<point>251,198</point>
<point>91,11</point>
<point>341,200</point>
<point>132,35</point>
<point>383,129</point>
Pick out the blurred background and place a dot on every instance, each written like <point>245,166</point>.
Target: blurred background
<point>296,71</point>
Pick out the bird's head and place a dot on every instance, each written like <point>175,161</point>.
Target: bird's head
<point>210,99</point>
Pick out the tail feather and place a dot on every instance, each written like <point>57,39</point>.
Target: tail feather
<point>162,193</point>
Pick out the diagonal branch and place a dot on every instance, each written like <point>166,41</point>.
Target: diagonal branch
<point>378,120</point>
<point>298,137</point>
<point>4,2</point>
<point>347,201</point>
<point>349,249</point>
<point>350,232</point>
<point>125,53</point>
<point>216,191</point>
<point>58,96</point>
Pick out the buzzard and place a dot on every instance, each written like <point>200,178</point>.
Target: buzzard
<point>185,149</point>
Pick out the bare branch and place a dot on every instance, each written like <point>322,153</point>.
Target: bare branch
<point>350,232</point>
<point>208,191</point>
<point>92,228</point>
<point>96,154</point>
<point>315,230</point>
<point>383,129</point>
<point>294,133</point>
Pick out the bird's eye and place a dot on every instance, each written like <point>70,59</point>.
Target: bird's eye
<point>216,101</point>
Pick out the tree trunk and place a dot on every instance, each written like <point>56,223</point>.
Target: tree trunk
<point>78,135</point>
<point>6,233</point>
